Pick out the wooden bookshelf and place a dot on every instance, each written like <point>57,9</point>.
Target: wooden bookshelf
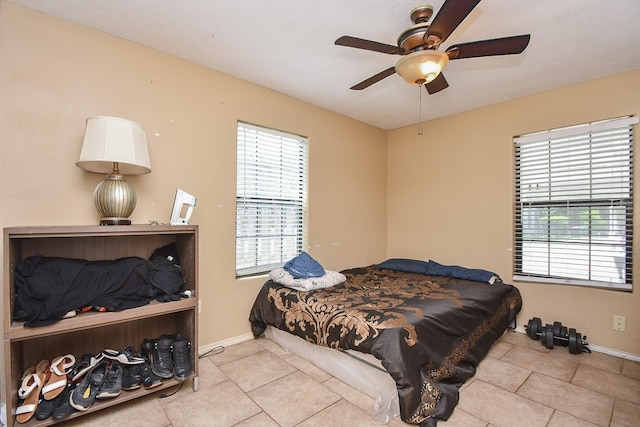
<point>92,332</point>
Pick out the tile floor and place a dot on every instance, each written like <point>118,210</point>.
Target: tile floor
<point>520,383</point>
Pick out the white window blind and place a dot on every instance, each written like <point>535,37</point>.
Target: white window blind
<point>574,205</point>
<point>271,198</point>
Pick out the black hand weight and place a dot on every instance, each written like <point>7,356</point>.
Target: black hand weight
<point>557,334</point>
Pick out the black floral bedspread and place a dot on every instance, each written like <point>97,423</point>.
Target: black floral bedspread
<point>430,332</point>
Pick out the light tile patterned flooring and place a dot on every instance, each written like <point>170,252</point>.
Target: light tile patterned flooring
<point>520,383</point>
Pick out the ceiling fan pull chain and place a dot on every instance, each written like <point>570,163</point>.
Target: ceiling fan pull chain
<point>420,126</point>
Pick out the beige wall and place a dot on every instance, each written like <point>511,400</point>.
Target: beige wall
<point>450,198</point>
<point>55,74</point>
<point>445,195</point>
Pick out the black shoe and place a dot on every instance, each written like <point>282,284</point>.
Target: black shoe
<point>64,408</point>
<point>128,356</point>
<point>131,361</point>
<point>85,393</point>
<point>131,376</point>
<point>147,349</point>
<point>83,365</point>
<point>162,360</point>
<point>112,385</point>
<point>149,379</point>
<point>181,358</point>
<point>151,354</point>
<point>45,407</point>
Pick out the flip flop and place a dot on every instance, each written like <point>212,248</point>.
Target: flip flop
<point>30,391</point>
<point>57,381</point>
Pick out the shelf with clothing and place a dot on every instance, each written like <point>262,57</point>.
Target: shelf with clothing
<point>91,332</point>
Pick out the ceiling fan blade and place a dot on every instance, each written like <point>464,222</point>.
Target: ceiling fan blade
<point>450,15</point>
<point>503,46</point>
<point>374,79</point>
<point>437,84</point>
<point>350,41</point>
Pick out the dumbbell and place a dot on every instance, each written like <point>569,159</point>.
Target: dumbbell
<point>558,335</point>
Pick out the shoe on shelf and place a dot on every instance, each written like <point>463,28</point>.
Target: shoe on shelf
<point>85,392</point>
<point>56,382</point>
<point>162,359</point>
<point>132,376</point>
<point>147,348</point>
<point>112,385</point>
<point>46,407</point>
<point>131,361</point>
<point>149,379</point>
<point>128,356</point>
<point>64,408</point>
<point>84,365</point>
<point>29,391</point>
<point>29,383</point>
<point>181,358</point>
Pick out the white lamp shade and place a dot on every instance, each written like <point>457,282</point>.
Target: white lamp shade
<point>112,139</point>
<point>421,66</point>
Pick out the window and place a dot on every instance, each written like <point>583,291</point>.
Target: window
<point>574,205</point>
<point>271,198</point>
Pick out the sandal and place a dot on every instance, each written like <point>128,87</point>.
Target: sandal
<point>29,391</point>
<point>57,381</point>
<point>84,365</point>
<point>28,383</point>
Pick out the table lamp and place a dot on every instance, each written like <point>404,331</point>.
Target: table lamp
<point>115,147</point>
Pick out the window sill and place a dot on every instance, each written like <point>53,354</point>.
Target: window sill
<point>574,282</point>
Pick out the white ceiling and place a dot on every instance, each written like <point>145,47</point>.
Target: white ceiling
<point>288,46</point>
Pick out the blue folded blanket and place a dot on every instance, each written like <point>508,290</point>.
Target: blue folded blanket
<point>459,272</point>
<point>304,266</point>
<point>405,264</point>
<point>435,269</point>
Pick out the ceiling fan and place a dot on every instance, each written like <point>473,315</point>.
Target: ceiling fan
<point>422,63</point>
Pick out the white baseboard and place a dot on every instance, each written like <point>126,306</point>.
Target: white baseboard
<point>225,343</point>
<point>600,349</point>
<point>614,352</point>
<point>522,330</point>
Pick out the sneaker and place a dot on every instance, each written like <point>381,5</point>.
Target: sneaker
<point>112,385</point>
<point>162,360</point>
<point>149,379</point>
<point>83,365</point>
<point>181,358</point>
<point>46,407</point>
<point>128,356</point>
<point>132,376</point>
<point>85,392</point>
<point>147,348</point>
<point>131,362</point>
<point>64,408</point>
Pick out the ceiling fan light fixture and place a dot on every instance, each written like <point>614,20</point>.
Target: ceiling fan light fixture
<point>422,66</point>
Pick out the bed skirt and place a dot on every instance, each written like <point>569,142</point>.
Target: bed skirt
<point>358,370</point>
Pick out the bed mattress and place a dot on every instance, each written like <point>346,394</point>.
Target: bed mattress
<point>428,332</point>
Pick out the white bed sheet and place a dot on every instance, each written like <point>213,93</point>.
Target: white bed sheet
<point>361,371</point>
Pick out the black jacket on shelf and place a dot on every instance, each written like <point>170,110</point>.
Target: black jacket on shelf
<point>47,288</point>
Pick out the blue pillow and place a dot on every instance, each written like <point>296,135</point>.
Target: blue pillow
<point>304,266</point>
<point>405,264</point>
<point>458,272</point>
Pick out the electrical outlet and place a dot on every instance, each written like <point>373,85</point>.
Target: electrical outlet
<point>199,306</point>
<point>619,323</point>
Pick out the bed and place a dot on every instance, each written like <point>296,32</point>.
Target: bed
<point>427,331</point>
